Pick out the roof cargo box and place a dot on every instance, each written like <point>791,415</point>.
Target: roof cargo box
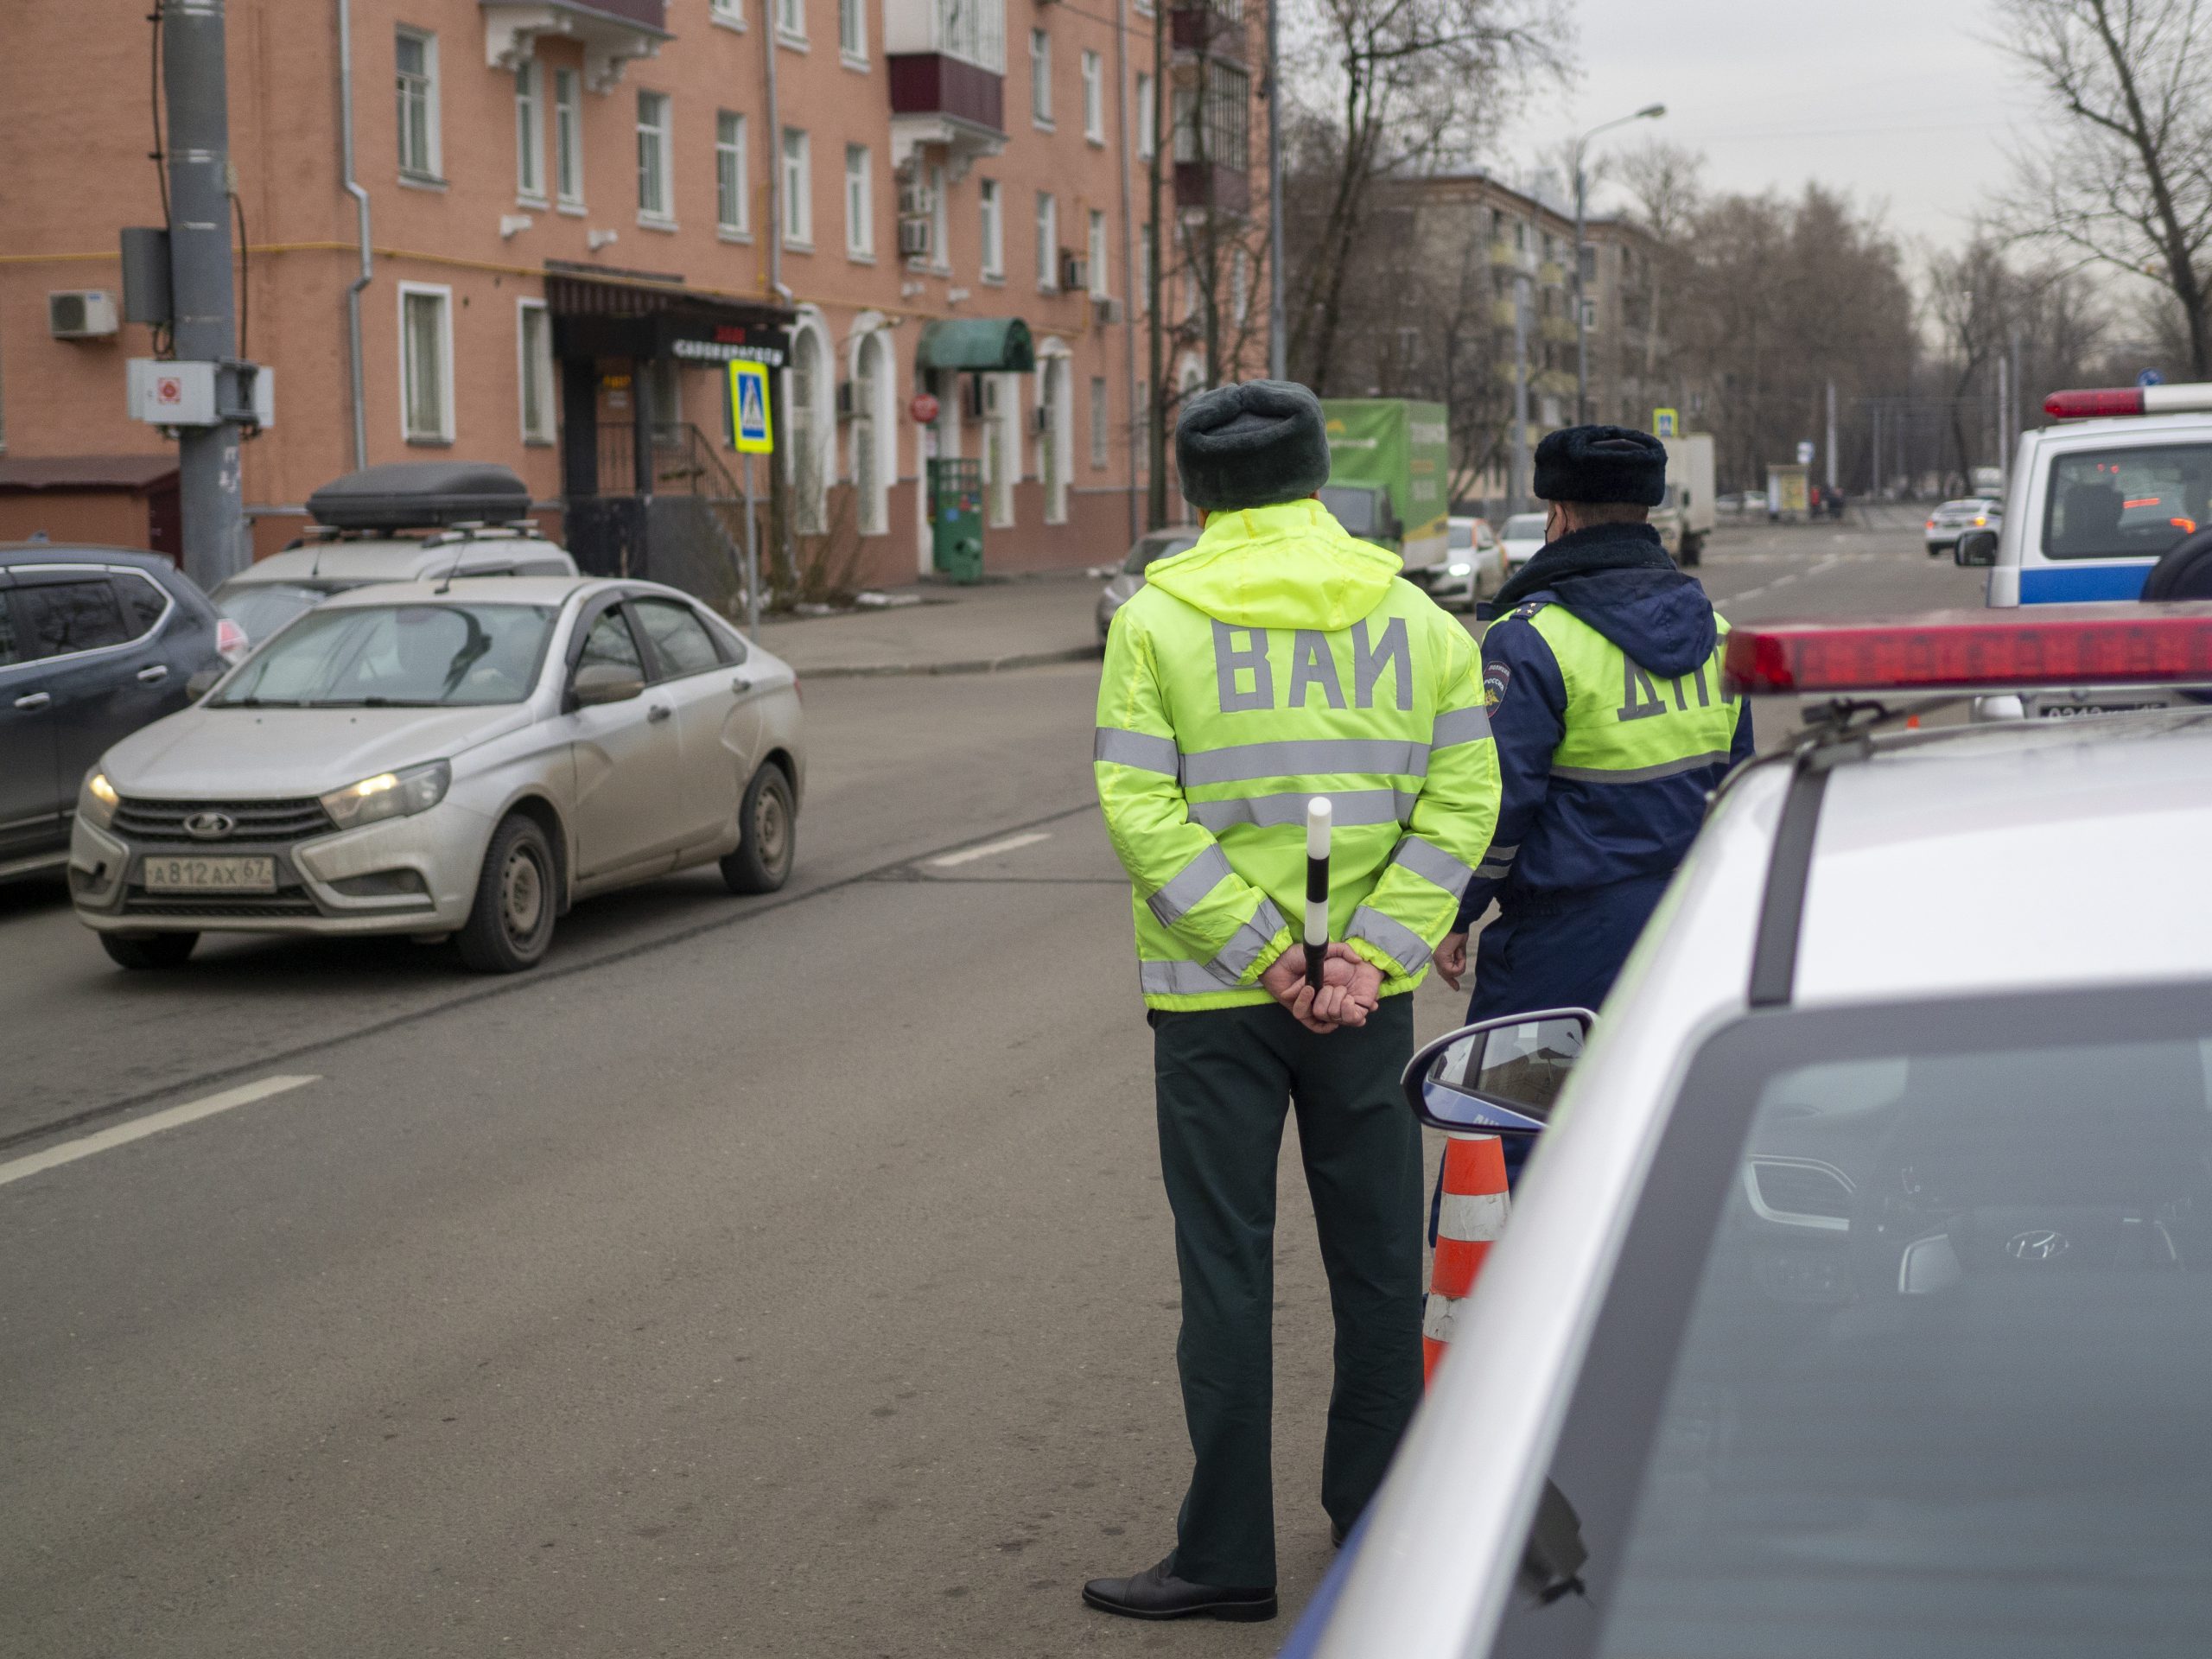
<point>421,495</point>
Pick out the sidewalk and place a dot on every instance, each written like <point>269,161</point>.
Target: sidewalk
<point>978,630</point>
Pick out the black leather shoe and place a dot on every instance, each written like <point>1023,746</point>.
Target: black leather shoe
<point>1156,1593</point>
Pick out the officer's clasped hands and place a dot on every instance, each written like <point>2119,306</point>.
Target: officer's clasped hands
<point>1351,987</point>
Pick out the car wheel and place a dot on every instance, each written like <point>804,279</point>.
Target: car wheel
<point>141,951</point>
<point>509,927</point>
<point>762,862</point>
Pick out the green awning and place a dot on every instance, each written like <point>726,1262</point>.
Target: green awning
<point>1000,344</point>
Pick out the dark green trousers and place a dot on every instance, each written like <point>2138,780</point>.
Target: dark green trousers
<point>1224,1079</point>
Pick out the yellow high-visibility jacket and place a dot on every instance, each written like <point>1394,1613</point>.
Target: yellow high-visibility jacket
<point>1278,659</point>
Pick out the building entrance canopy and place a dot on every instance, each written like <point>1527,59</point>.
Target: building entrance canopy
<point>981,345</point>
<point>597,319</point>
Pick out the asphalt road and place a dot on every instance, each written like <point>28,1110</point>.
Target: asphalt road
<point>764,1277</point>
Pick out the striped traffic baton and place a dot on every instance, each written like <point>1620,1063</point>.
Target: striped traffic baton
<point>1318,814</point>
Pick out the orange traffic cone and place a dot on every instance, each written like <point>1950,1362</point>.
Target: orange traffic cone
<point>1469,1220</point>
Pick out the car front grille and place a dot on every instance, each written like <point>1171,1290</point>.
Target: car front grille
<point>293,903</point>
<point>252,821</point>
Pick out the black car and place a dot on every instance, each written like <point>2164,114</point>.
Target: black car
<point>94,643</point>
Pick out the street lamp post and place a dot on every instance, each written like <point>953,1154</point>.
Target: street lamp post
<point>1649,112</point>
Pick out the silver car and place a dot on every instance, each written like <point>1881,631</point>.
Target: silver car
<point>1953,518</point>
<point>1150,548</point>
<point>442,759</point>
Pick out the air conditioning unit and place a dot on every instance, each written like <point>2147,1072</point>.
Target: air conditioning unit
<point>80,313</point>
<point>1075,272</point>
<point>1104,311</point>
<point>914,238</point>
<point>916,198</point>
<point>847,402</point>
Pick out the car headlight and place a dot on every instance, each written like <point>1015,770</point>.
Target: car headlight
<point>389,795</point>
<point>1458,570</point>
<point>97,801</point>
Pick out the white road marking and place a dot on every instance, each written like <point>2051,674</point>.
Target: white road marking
<point>970,855</point>
<point>153,1124</point>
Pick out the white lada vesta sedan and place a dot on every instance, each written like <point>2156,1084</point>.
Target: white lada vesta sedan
<point>437,760</point>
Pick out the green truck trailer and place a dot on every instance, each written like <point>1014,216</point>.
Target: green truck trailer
<point>1390,472</point>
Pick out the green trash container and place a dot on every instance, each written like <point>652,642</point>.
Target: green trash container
<point>956,519</point>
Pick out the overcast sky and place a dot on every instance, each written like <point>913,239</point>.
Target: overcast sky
<point>1897,101</point>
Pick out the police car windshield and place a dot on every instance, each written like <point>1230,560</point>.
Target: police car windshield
<point>1940,1387</point>
<point>2130,503</point>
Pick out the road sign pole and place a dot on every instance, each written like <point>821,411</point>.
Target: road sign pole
<point>751,559</point>
<point>750,432</point>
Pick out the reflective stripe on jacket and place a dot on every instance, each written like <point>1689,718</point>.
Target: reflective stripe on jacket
<point>1606,763</point>
<point>1277,660</point>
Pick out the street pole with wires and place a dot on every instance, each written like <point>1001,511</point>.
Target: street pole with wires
<point>1649,112</point>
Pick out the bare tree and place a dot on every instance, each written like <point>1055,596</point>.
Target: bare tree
<point>2124,177</point>
<point>1386,89</point>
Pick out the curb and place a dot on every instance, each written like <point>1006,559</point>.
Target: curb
<point>969,665</point>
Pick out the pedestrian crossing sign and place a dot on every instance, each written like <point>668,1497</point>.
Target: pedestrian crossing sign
<point>1664,422</point>
<point>748,404</point>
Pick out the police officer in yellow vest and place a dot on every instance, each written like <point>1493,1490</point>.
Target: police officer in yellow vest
<point>1602,675</point>
<point>1277,660</point>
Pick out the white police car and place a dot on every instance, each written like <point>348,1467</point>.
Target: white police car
<point>1858,1297</point>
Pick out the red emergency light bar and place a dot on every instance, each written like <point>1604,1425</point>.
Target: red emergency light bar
<point>1961,651</point>
<point>2127,400</point>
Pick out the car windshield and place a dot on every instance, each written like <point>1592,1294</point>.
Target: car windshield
<point>2127,504</point>
<point>419,655</point>
<point>1942,1387</point>
<point>1525,527</point>
<point>1152,549</point>
<point>261,607</point>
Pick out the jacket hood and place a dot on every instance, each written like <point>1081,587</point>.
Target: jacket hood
<point>1288,566</point>
<point>1618,579</point>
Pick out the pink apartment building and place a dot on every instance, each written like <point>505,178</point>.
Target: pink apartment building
<point>565,216</point>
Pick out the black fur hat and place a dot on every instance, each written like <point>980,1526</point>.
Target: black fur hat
<point>1602,463</point>
<point>1251,445</point>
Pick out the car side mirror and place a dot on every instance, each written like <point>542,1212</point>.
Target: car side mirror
<point>600,683</point>
<point>1976,547</point>
<point>204,682</point>
<point>1500,1077</point>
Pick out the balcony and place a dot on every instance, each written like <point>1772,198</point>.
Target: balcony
<point>936,98</point>
<point>610,32</point>
<point>1215,27</point>
<point>1209,184</point>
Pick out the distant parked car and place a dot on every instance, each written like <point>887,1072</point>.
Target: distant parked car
<point>1474,565</point>
<point>1949,521</point>
<point>1149,549</point>
<point>95,642</point>
<point>431,759</point>
<point>468,521</point>
<point>1523,536</point>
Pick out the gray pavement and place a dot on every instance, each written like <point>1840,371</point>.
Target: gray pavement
<point>767,1277</point>
<point>990,628</point>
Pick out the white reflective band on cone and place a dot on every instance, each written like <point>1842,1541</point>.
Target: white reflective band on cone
<point>1474,1217</point>
<point>1437,1318</point>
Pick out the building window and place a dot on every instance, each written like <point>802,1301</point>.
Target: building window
<point>1048,242</point>
<point>852,29</point>
<point>1094,98</point>
<point>1041,77</point>
<point>860,203</point>
<point>790,21</point>
<point>731,205</point>
<point>418,54</point>
<point>1226,133</point>
<point>1094,254</point>
<point>653,159</point>
<point>994,215</point>
<point>567,139</point>
<point>534,369</point>
<point>426,363</point>
<point>730,13</point>
<point>973,31</point>
<point>799,189</point>
<point>529,132</point>
<point>1148,117</point>
<point>1098,423</point>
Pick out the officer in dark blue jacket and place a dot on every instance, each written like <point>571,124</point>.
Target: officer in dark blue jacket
<point>1603,676</point>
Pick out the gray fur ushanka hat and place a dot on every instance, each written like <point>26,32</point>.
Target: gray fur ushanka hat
<point>1251,445</point>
